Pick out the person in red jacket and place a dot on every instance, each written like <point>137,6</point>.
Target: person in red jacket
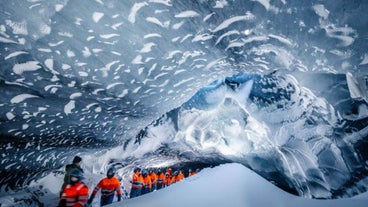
<point>108,185</point>
<point>75,194</point>
<point>76,164</point>
<point>137,183</point>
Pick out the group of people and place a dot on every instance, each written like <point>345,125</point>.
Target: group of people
<point>145,181</point>
<point>74,192</point>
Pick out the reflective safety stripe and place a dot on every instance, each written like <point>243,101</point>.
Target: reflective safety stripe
<point>107,191</point>
<point>137,184</point>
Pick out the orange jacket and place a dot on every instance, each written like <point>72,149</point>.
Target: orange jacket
<point>137,180</point>
<point>147,182</point>
<point>170,180</point>
<point>161,178</point>
<point>192,173</point>
<point>154,178</point>
<point>179,177</point>
<point>74,195</point>
<point>108,187</point>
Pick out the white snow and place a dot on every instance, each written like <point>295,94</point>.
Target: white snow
<point>75,95</point>
<point>108,36</point>
<point>14,54</point>
<point>58,7</point>
<point>97,16</point>
<point>232,20</point>
<point>220,4</point>
<point>10,115</point>
<point>357,87</point>
<point>165,2</point>
<point>6,40</point>
<point>21,98</point>
<point>226,34</point>
<point>186,14</point>
<point>69,107</point>
<point>18,27</point>
<point>265,3</point>
<point>133,12</point>
<point>147,47</point>
<point>365,60</point>
<point>229,185</point>
<point>24,67</point>
<point>156,21</point>
<point>344,34</point>
<point>321,11</point>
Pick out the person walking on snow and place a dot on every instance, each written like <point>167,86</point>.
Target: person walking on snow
<point>75,193</point>
<point>76,164</point>
<point>137,183</point>
<point>108,185</point>
<point>179,176</point>
<point>154,178</point>
<point>161,180</point>
<point>147,184</point>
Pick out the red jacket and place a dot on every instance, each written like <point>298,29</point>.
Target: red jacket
<point>74,195</point>
<point>108,187</point>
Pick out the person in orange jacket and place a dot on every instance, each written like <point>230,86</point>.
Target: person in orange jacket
<point>108,186</point>
<point>168,179</point>
<point>169,170</point>
<point>75,193</point>
<point>147,184</point>
<point>154,179</point>
<point>161,180</point>
<point>137,183</point>
<point>179,176</point>
<point>191,173</point>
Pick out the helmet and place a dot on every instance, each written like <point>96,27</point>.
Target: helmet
<point>137,169</point>
<point>144,173</point>
<point>76,173</point>
<point>111,172</point>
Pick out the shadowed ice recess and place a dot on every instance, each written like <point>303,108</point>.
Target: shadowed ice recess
<point>278,86</point>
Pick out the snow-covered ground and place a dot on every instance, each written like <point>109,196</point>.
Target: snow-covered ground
<point>225,185</point>
<point>230,185</point>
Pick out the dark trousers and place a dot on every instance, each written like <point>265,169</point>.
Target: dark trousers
<point>106,200</point>
<point>145,190</point>
<point>135,192</point>
<point>160,185</point>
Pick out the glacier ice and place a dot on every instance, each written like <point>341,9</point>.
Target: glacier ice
<point>279,86</point>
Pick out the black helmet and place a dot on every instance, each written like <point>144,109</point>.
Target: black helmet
<point>76,173</point>
<point>144,173</point>
<point>137,169</point>
<point>111,172</point>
